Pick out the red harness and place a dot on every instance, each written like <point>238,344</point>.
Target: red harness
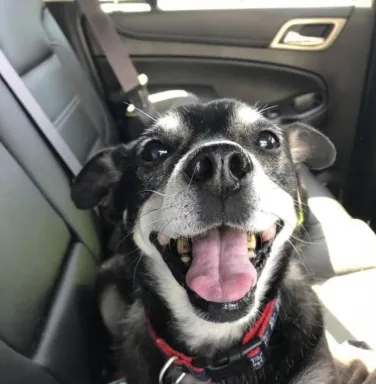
<point>249,354</point>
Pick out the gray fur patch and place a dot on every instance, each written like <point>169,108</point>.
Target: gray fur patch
<point>321,370</point>
<point>113,310</point>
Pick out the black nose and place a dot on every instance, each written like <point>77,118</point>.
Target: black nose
<point>239,165</point>
<point>221,167</point>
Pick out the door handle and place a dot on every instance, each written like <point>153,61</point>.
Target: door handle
<point>296,38</point>
<point>288,38</point>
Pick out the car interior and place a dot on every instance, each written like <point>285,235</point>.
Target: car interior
<point>313,64</point>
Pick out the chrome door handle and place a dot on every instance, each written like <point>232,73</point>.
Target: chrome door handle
<point>295,38</point>
<point>287,38</point>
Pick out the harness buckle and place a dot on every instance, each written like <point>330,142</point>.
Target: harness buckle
<point>229,363</point>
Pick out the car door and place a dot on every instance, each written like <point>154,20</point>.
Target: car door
<point>298,60</point>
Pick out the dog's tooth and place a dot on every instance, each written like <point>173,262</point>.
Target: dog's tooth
<point>251,254</point>
<point>179,246</point>
<point>182,246</point>
<point>251,241</point>
<point>185,259</point>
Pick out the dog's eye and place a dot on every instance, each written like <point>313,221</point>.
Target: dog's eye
<point>153,151</point>
<point>267,140</point>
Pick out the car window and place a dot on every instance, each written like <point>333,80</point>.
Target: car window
<point>179,5</point>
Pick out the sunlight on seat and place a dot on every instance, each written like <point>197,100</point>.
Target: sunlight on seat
<point>348,300</point>
<point>351,242</point>
<point>346,352</point>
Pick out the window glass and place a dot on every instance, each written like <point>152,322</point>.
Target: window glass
<point>179,5</point>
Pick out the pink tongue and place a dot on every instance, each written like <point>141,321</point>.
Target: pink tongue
<point>221,271</point>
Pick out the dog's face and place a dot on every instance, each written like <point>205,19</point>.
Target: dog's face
<point>211,199</point>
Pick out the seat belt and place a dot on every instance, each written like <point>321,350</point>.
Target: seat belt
<point>44,124</point>
<point>132,84</point>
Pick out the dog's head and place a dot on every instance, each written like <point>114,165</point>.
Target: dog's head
<point>210,194</point>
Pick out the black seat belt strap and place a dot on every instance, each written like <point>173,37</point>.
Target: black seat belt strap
<point>132,84</point>
<point>36,113</point>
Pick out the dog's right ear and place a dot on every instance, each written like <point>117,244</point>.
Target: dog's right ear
<point>100,175</point>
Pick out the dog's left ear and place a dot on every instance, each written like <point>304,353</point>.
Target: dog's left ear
<point>309,146</point>
<point>100,175</point>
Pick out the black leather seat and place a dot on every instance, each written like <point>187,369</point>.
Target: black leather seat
<point>50,331</point>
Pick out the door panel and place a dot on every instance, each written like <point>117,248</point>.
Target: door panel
<point>267,86</point>
<point>249,81</point>
<point>252,28</point>
<point>227,53</point>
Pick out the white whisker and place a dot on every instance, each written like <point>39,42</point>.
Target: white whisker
<point>143,112</point>
<point>300,257</point>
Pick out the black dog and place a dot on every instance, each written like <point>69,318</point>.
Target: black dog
<point>208,284</point>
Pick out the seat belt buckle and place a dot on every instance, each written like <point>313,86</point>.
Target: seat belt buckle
<point>140,106</point>
<point>138,96</point>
